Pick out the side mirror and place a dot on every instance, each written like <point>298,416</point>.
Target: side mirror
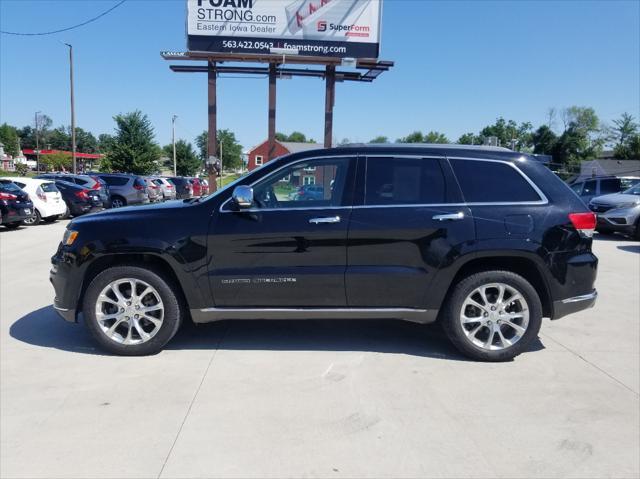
<point>243,196</point>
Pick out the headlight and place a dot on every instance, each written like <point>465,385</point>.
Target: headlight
<point>627,205</point>
<point>69,237</point>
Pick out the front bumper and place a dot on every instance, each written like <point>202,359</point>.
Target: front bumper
<point>623,220</point>
<point>66,285</point>
<point>574,304</point>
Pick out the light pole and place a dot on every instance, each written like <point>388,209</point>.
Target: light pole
<point>37,145</point>
<point>173,141</point>
<point>73,110</point>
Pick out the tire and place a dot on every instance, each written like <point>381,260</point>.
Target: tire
<point>12,226</point>
<point>160,335</point>
<point>67,214</point>
<point>465,338</point>
<point>34,220</point>
<point>50,219</point>
<point>636,234</point>
<point>118,202</point>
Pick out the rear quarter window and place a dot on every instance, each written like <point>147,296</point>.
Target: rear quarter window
<point>115,180</point>
<point>492,182</point>
<point>612,185</point>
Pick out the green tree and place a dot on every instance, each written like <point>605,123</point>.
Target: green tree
<point>28,133</point>
<point>133,148</point>
<point>625,134</point>
<point>10,139</point>
<point>104,142</point>
<point>297,137</point>
<point>544,140</point>
<point>435,137</point>
<point>57,161</point>
<point>582,139</point>
<point>380,139</point>
<point>281,137</point>
<point>415,137</point>
<point>59,139</point>
<point>469,139</point>
<point>187,161</point>
<point>231,149</point>
<point>510,134</point>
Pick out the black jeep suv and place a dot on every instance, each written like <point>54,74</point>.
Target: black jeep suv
<point>485,240</point>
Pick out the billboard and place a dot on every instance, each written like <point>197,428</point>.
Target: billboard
<point>336,28</point>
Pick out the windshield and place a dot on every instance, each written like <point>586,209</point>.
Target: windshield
<point>634,190</point>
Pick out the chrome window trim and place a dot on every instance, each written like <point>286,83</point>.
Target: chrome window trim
<point>542,201</point>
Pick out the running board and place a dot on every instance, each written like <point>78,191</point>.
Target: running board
<point>208,315</point>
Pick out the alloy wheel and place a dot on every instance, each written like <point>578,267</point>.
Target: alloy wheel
<point>129,311</point>
<point>494,316</point>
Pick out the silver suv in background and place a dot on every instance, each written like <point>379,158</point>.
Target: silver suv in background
<point>125,189</point>
<point>618,212</point>
<point>168,189</point>
<point>590,188</point>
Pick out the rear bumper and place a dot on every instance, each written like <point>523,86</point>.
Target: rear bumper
<point>574,304</point>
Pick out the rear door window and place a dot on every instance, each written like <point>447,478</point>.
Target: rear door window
<point>611,185</point>
<point>404,181</point>
<point>485,181</point>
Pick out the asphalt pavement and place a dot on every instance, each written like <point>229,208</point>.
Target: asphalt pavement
<point>338,399</point>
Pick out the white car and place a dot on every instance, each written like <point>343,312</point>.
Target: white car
<point>48,204</point>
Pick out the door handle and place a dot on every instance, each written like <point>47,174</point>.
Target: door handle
<point>329,219</point>
<point>450,217</point>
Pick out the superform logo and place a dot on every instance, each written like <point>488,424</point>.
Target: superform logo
<point>351,30</point>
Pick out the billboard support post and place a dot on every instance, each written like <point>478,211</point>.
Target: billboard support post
<point>329,102</point>
<point>212,139</point>
<point>272,111</point>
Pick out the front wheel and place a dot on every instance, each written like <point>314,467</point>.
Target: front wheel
<point>131,310</point>
<point>493,315</point>
<point>50,219</point>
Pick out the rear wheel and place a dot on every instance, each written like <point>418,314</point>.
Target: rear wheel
<point>34,219</point>
<point>493,315</point>
<point>132,311</point>
<point>12,226</point>
<point>118,202</point>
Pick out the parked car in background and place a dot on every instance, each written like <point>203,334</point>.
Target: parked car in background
<point>168,189</point>
<point>88,181</point>
<point>153,190</point>
<point>618,212</point>
<point>184,188</point>
<point>15,205</point>
<point>309,192</point>
<point>79,200</point>
<point>486,241</point>
<point>48,204</point>
<point>204,183</point>
<point>125,189</point>
<point>590,188</point>
<point>197,186</point>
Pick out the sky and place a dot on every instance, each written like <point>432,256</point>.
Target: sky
<point>459,66</point>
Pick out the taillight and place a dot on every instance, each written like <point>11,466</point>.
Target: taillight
<point>138,187</point>
<point>169,187</point>
<point>96,186</point>
<point>8,196</point>
<point>83,195</point>
<point>40,194</point>
<point>584,222</point>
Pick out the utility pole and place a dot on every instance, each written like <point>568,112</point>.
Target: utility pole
<point>173,141</point>
<point>73,110</point>
<point>37,146</point>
